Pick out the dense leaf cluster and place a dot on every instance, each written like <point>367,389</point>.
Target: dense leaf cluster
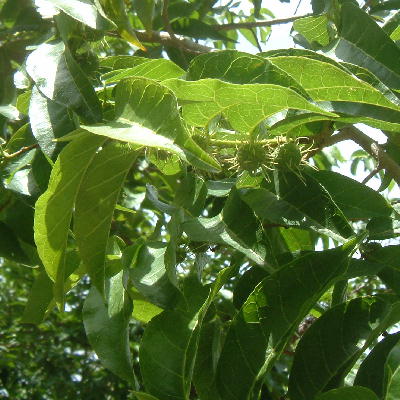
<point>186,195</point>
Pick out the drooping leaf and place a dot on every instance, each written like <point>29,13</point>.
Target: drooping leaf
<point>265,323</point>
<point>147,114</point>
<point>169,344</point>
<point>53,209</point>
<point>61,79</point>
<point>331,346</point>
<point>106,327</point>
<point>86,12</point>
<point>95,204</point>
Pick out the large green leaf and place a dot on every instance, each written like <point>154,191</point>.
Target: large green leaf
<point>238,67</point>
<point>159,70</point>
<point>326,82</point>
<point>95,203</point>
<point>266,321</point>
<point>86,12</point>
<point>53,209</point>
<point>348,393</point>
<point>147,114</point>
<point>145,12</point>
<point>10,247</point>
<point>49,120</point>
<point>274,210</point>
<point>145,265</point>
<point>363,42</point>
<point>235,226</point>
<point>58,76</point>
<point>332,345</point>
<point>170,341</point>
<point>245,106</point>
<point>107,327</point>
<point>314,29</point>
<point>356,200</point>
<point>379,369</point>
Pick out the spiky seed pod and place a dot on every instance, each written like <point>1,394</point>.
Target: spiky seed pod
<point>251,156</point>
<point>288,157</point>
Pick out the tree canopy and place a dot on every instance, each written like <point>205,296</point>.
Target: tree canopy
<point>186,205</point>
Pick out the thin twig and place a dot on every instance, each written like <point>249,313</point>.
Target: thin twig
<point>371,174</point>
<point>165,38</point>
<point>258,24</point>
<point>370,146</point>
<point>20,151</point>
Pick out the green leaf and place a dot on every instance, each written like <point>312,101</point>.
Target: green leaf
<point>145,11</point>
<point>86,12</point>
<point>61,79</point>
<point>169,344</point>
<point>238,67</point>
<point>363,42</point>
<point>144,396</point>
<point>314,29</point>
<point>53,209</point>
<point>145,265</point>
<point>40,297</point>
<point>158,70</point>
<point>332,345</point>
<point>122,62</point>
<point>244,106</point>
<point>326,82</point>
<point>265,323</point>
<point>147,114</point>
<point>49,120</point>
<point>107,327</point>
<point>356,200</point>
<point>95,204</point>
<point>303,192</point>
<point>226,228</point>
<point>10,247</point>
<point>348,393</point>
<point>380,366</point>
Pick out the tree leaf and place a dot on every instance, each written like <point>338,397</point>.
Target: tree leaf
<point>107,327</point>
<point>145,266</point>
<point>244,106</point>
<point>10,247</point>
<point>86,12</point>
<point>356,200</point>
<point>95,204</point>
<point>145,11</point>
<point>49,120</point>
<point>225,228</point>
<point>314,29</point>
<point>380,366</point>
<point>61,79</point>
<point>363,42</point>
<point>53,209</point>
<point>331,346</point>
<point>147,114</point>
<point>158,70</point>
<point>265,323</point>
<point>170,341</point>
<point>348,393</point>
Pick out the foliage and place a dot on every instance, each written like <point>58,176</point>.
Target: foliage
<point>182,199</point>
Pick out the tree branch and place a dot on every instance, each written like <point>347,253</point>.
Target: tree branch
<point>370,146</point>
<point>178,41</point>
<point>258,24</point>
